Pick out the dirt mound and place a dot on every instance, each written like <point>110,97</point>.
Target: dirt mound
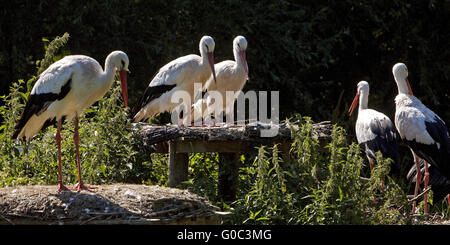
<point>109,204</point>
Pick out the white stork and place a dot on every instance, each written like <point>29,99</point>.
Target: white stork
<point>422,130</point>
<point>231,76</point>
<point>374,130</point>
<point>179,74</point>
<point>63,91</point>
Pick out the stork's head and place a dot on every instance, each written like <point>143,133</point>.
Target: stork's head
<point>240,45</point>
<point>400,72</point>
<point>361,88</point>
<point>121,62</point>
<point>207,46</point>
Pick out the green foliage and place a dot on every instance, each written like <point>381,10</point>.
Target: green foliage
<point>204,170</point>
<point>320,187</point>
<point>51,51</point>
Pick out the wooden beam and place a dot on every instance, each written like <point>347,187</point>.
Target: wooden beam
<point>198,146</point>
<point>178,165</point>
<point>220,139</point>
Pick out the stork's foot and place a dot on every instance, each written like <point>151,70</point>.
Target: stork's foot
<point>62,187</point>
<point>82,186</point>
<point>180,123</point>
<point>196,125</point>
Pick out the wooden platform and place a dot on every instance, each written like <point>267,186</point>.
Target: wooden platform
<point>228,141</point>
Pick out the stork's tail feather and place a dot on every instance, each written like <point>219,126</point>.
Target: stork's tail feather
<point>144,114</point>
<point>33,126</point>
<point>21,123</point>
<point>151,93</point>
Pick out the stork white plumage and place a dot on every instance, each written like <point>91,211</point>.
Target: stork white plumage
<point>374,130</point>
<point>421,129</point>
<point>178,75</point>
<point>63,91</point>
<point>231,76</point>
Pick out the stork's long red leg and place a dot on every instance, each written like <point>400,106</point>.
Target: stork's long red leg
<point>418,178</point>
<point>425,181</point>
<point>80,186</point>
<point>61,186</point>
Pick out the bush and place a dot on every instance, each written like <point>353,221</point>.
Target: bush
<point>318,187</point>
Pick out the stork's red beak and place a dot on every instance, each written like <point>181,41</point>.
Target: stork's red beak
<point>123,85</point>
<point>409,87</point>
<point>244,61</point>
<point>354,104</point>
<point>211,64</point>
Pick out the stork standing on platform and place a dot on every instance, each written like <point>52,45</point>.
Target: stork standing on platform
<point>422,130</point>
<point>179,74</point>
<point>374,130</point>
<point>63,91</point>
<point>231,76</point>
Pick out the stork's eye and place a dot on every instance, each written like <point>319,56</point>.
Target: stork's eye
<point>123,63</point>
<point>239,45</point>
<point>207,48</point>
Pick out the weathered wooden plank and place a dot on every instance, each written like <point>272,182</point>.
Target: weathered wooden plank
<point>178,165</point>
<point>246,138</point>
<point>197,146</point>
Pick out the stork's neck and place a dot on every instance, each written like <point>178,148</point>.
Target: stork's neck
<point>237,58</point>
<point>204,55</point>
<point>107,78</point>
<point>401,84</point>
<point>363,100</point>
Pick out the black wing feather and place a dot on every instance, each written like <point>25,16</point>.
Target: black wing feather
<point>436,156</point>
<point>385,142</point>
<point>150,94</point>
<point>37,104</point>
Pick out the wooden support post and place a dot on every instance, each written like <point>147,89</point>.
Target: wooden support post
<point>178,165</point>
<point>228,175</point>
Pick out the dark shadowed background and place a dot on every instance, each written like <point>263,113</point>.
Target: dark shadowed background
<point>313,52</point>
